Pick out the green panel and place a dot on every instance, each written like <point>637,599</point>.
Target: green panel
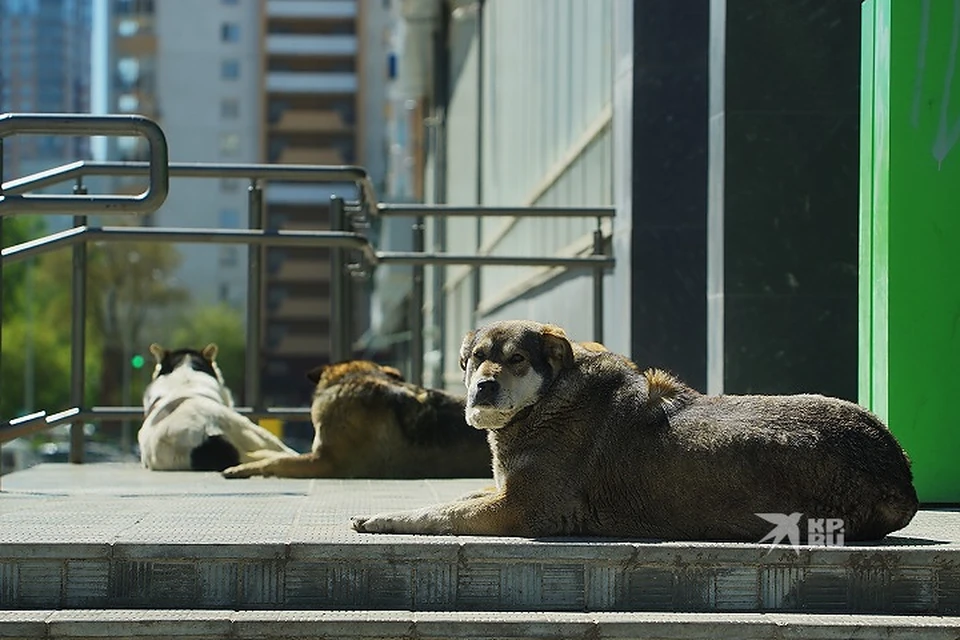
<point>910,232</point>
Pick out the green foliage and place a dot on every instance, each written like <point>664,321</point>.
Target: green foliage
<point>126,284</point>
<point>51,356</point>
<point>17,230</point>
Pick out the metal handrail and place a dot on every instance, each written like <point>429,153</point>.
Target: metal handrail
<point>89,125</point>
<point>41,421</point>
<point>448,211</point>
<point>340,240</point>
<point>279,172</point>
<point>271,237</point>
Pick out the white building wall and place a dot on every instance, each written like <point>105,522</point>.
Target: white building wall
<point>191,90</point>
<point>547,141</point>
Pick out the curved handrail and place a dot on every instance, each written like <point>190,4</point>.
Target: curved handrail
<point>89,125</point>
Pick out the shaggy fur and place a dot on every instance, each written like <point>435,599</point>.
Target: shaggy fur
<point>585,444</point>
<point>189,422</point>
<point>370,423</point>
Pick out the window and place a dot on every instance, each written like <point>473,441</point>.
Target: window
<point>228,219</point>
<point>224,292</point>
<point>230,32</point>
<point>229,144</point>
<point>127,28</point>
<point>231,3</point>
<point>230,69</point>
<point>229,185</point>
<point>128,103</point>
<point>128,72</point>
<point>229,108</point>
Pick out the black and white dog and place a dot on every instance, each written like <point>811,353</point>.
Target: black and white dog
<point>189,421</point>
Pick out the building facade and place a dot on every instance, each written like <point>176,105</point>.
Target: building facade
<point>735,235</point>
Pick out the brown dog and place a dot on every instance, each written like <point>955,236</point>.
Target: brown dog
<point>370,423</point>
<point>583,443</point>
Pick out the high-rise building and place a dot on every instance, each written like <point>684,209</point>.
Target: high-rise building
<point>245,81</point>
<point>44,68</point>
<point>324,73</point>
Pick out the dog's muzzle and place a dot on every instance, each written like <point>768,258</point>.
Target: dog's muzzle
<point>484,393</point>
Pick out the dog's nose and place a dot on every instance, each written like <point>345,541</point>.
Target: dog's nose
<point>487,390</point>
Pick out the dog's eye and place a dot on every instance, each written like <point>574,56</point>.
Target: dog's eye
<point>515,359</point>
<point>479,355</point>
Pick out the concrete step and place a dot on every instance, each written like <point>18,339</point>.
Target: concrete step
<point>118,537</point>
<point>237,625</point>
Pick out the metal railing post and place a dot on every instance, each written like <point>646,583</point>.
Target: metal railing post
<point>416,306</point>
<point>78,333</point>
<point>598,284</point>
<point>254,298</point>
<point>338,286</point>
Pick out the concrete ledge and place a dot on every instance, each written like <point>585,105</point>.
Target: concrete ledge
<point>119,537</point>
<point>184,624</point>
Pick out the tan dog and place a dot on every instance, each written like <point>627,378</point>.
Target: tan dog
<point>585,444</point>
<point>370,423</point>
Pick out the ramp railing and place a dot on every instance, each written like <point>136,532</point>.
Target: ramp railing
<point>351,251</point>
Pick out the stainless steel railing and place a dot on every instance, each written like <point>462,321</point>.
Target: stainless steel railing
<point>350,250</point>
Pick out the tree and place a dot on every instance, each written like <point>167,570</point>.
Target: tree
<point>126,284</point>
<point>16,230</point>
<point>50,344</point>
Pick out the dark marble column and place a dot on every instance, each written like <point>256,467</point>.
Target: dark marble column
<point>783,196</point>
<point>669,186</point>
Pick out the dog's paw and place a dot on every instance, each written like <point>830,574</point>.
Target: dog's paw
<point>385,523</point>
<point>421,521</point>
<point>380,524</point>
<point>359,523</point>
<point>239,471</point>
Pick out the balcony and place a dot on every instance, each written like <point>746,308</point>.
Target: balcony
<point>310,155</point>
<point>290,82</point>
<point>311,122</point>
<point>293,271</point>
<point>141,44</point>
<point>299,345</point>
<point>311,45</point>
<point>300,309</point>
<point>296,9</point>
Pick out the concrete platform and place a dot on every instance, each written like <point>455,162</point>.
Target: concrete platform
<point>215,625</point>
<point>107,536</point>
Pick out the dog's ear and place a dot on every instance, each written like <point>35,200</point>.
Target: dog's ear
<point>465,348</point>
<point>314,374</point>
<point>210,351</point>
<point>393,372</point>
<point>157,351</point>
<point>594,347</point>
<point>556,347</point>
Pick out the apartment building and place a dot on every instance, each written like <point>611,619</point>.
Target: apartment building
<point>248,81</point>
<point>323,104</point>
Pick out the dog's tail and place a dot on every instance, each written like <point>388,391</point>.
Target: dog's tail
<point>214,454</point>
<point>665,392</point>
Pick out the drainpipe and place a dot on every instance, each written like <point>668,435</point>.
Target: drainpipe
<point>475,276</point>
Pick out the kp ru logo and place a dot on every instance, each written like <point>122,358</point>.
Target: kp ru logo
<point>821,532</point>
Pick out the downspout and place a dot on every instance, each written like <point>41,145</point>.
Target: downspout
<point>480,113</point>
<point>441,101</point>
